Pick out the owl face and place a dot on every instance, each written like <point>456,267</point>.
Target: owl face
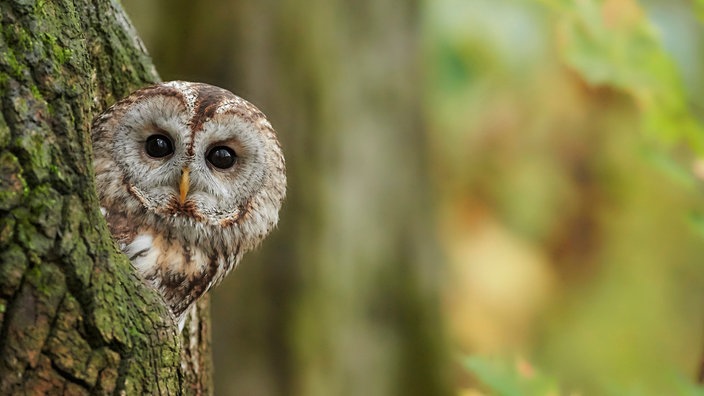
<point>190,178</point>
<point>189,163</point>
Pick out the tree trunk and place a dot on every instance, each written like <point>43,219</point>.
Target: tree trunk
<point>74,318</point>
<point>367,317</point>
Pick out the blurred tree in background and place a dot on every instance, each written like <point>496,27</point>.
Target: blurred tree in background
<point>343,299</point>
<point>535,164</point>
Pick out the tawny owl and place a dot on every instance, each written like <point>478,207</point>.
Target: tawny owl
<point>190,177</point>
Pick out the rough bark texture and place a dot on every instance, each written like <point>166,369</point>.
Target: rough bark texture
<point>74,319</point>
<point>196,356</point>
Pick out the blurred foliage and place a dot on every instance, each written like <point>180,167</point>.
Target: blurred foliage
<point>520,378</point>
<point>565,144</point>
<point>613,43</point>
<point>552,148</point>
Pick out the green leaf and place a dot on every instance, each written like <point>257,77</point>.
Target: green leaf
<point>620,47</point>
<point>504,379</point>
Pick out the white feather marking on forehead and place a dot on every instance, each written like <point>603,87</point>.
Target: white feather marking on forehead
<point>189,94</point>
<point>230,104</point>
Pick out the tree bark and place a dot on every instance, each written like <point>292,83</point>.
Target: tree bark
<point>74,318</point>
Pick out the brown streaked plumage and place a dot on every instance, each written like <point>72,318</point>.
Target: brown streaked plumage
<point>190,177</point>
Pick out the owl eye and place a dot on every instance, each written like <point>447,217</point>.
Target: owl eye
<point>221,157</point>
<point>158,146</point>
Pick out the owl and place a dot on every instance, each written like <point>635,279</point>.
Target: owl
<point>190,177</point>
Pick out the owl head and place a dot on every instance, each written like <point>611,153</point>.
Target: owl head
<point>191,161</point>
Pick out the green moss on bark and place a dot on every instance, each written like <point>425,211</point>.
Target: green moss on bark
<point>74,319</point>
<point>12,184</point>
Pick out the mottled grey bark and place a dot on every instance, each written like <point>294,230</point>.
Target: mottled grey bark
<point>74,319</point>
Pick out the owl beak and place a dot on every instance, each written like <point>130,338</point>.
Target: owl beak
<point>185,182</point>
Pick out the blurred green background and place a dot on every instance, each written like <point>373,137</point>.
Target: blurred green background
<point>486,197</point>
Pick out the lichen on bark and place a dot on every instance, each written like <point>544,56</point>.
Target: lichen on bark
<point>74,319</point>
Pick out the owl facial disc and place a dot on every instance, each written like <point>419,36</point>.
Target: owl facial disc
<point>190,177</point>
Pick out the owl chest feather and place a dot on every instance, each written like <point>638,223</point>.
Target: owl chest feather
<point>181,272</point>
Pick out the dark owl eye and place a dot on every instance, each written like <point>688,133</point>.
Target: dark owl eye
<point>158,146</point>
<point>221,157</point>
